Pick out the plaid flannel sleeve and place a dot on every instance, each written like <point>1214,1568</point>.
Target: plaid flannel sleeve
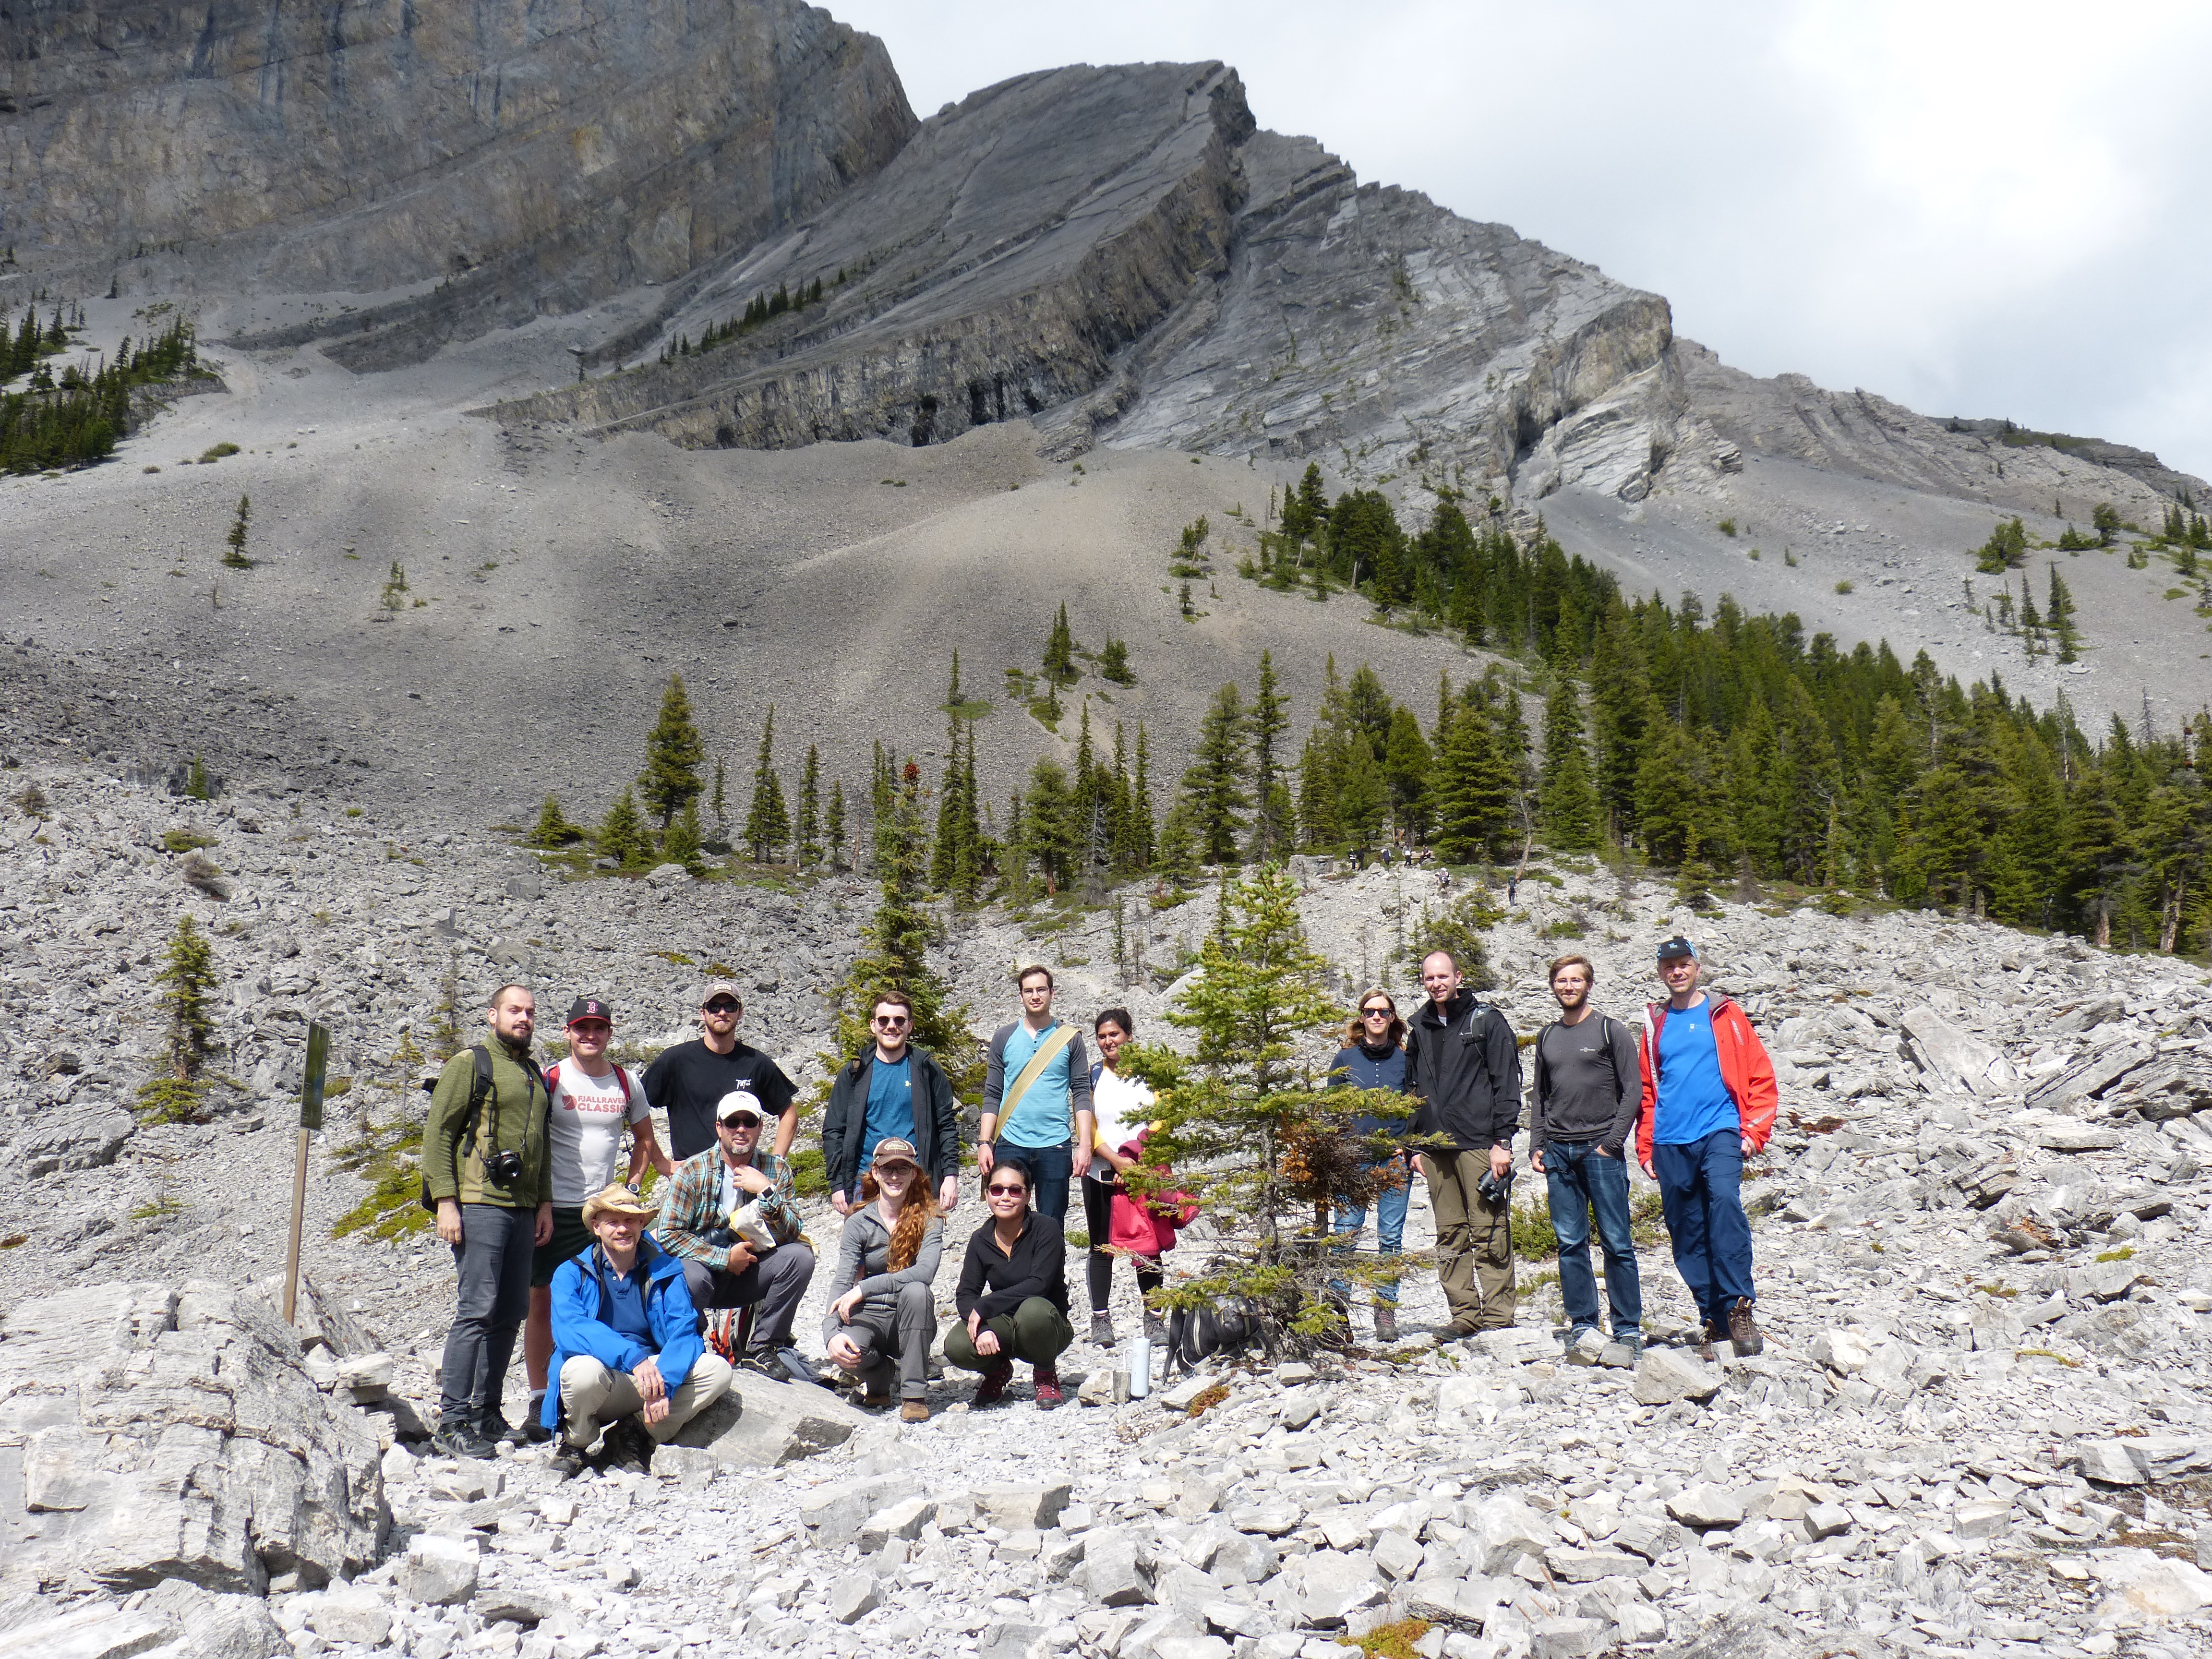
<point>688,1209</point>
<point>780,1204</point>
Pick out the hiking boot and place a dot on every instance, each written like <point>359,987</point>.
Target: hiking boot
<point>629,1447</point>
<point>876,1397</point>
<point>992,1388</point>
<point>1386,1322</point>
<point>463,1440</point>
<point>496,1428</point>
<point>780,1365</point>
<point>1466,1326</point>
<point>568,1462</point>
<point>1743,1330</point>
<point>1047,1387</point>
<point>1101,1329</point>
<point>915,1411</point>
<point>1156,1328</point>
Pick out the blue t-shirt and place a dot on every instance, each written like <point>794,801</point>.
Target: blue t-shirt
<point>1044,1116</point>
<point>624,1307</point>
<point>1693,1100</point>
<point>890,1105</point>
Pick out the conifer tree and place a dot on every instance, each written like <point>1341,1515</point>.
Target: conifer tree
<point>1144,837</point>
<point>622,835</point>
<point>1363,797</point>
<point>1213,785</point>
<point>1475,791</point>
<point>1060,651</point>
<point>836,828</point>
<point>553,828</point>
<point>235,558</point>
<point>188,982</point>
<point>1405,765</point>
<point>1272,827</point>
<point>680,841</point>
<point>721,802</point>
<point>809,848</point>
<point>674,751</point>
<point>1050,836</point>
<point>768,820</point>
<point>1568,792</point>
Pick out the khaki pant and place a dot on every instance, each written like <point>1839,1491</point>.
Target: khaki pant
<point>594,1396</point>
<point>1474,1239</point>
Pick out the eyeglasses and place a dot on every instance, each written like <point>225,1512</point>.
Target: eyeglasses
<point>1008,1192</point>
<point>894,1171</point>
<point>893,1021</point>
<point>722,1005</point>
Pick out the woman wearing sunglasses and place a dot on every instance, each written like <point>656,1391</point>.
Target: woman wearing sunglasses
<point>880,1308</point>
<point>1374,1057</point>
<point>1012,1296</point>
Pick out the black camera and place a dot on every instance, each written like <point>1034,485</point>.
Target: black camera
<point>503,1169</point>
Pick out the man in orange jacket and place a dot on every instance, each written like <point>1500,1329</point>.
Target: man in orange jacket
<point>1709,1102</point>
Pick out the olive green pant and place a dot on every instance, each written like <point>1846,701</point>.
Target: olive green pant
<point>1474,1240</point>
<point>1036,1331</point>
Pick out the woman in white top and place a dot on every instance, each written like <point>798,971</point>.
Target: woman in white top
<point>1122,1108</point>
<point>593,1099</point>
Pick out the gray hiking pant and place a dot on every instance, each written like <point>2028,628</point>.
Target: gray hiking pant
<point>887,1331</point>
<point>776,1281</point>
<point>494,1259</point>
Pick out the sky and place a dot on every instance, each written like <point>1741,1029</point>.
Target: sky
<point>1971,209</point>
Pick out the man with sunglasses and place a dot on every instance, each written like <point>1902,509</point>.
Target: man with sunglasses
<point>687,1080</point>
<point>725,1270</point>
<point>892,1091</point>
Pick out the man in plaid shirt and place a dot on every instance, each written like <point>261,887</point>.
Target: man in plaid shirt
<point>725,1271</point>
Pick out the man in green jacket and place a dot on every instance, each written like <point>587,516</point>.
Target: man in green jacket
<point>493,1184</point>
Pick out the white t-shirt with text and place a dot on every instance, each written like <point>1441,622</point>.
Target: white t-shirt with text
<point>584,1132</point>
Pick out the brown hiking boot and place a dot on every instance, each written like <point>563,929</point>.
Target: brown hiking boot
<point>915,1411</point>
<point>1386,1322</point>
<point>1743,1330</point>
<point>992,1388</point>
<point>1048,1386</point>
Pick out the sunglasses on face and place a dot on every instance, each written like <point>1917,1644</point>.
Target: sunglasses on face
<point>1008,1192</point>
<point>1378,1013</point>
<point>894,1022</point>
<point>725,1006</point>
<point>741,1123</point>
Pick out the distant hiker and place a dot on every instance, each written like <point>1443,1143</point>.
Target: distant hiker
<point>1122,1108</point>
<point>890,1089</point>
<point>687,1080</point>
<point>485,1168</point>
<point>1463,1065</point>
<point>1373,1058</point>
<point>592,1099</point>
<point>1708,1103</point>
<point>881,1310</point>
<point>1037,1098</point>
<point>1012,1294</point>
<point>626,1343</point>
<point>733,1217</point>
<point>1585,1098</point>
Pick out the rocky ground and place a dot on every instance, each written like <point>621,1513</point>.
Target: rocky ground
<point>1980,1424</point>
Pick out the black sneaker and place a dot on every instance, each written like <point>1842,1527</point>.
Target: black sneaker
<point>463,1440</point>
<point>568,1462</point>
<point>1101,1329</point>
<point>781,1364</point>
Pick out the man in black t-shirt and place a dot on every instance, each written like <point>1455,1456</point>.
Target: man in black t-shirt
<point>686,1081</point>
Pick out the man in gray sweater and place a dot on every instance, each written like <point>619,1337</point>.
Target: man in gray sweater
<point>1587,1091</point>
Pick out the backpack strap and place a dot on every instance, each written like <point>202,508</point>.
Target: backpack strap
<point>479,1092</point>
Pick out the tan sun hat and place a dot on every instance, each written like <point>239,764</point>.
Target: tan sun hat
<point>618,1199</point>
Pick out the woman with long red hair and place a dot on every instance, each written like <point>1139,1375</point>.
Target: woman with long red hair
<point>880,1308</point>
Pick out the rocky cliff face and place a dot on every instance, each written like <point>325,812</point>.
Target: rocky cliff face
<point>1119,254</point>
<point>523,158</point>
<point>991,271</point>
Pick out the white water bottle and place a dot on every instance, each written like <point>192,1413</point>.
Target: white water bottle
<point>1140,1367</point>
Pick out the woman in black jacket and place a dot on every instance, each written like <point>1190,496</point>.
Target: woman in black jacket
<point>1372,1059</point>
<point>1012,1294</point>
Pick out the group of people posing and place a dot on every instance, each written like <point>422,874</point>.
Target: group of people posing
<point>636,1314</point>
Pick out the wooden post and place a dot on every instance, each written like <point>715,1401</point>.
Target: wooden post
<point>311,1118</point>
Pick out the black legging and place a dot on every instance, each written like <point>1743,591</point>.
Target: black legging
<point>1098,1213</point>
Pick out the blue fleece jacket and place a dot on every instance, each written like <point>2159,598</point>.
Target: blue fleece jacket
<point>580,1325</point>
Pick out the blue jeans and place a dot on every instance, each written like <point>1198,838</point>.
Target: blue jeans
<point>1390,1229</point>
<point>1051,1168</point>
<point>1583,1182</point>
<point>1701,1188</point>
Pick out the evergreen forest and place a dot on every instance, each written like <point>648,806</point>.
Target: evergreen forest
<point>78,419</point>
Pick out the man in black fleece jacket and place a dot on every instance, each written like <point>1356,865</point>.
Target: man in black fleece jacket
<point>1463,1065</point>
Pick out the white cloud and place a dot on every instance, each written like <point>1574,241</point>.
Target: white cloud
<point>1973,209</point>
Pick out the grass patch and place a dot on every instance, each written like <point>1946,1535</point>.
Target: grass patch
<point>1397,1641</point>
<point>159,1209</point>
<point>2004,1290</point>
<point>1844,587</point>
<point>2046,1353</point>
<point>215,452</point>
<point>172,1100</point>
<point>674,958</point>
<point>1647,1218</point>
<point>392,1164</point>
<point>1078,1241</point>
<point>15,1240</point>
<point>1534,1235</point>
<point>2123,1254</point>
<point>185,841</point>
<point>810,1175</point>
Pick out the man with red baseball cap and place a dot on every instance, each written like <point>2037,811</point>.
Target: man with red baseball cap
<point>592,1099</point>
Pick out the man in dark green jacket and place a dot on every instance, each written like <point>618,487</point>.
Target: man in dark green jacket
<point>493,1186</point>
